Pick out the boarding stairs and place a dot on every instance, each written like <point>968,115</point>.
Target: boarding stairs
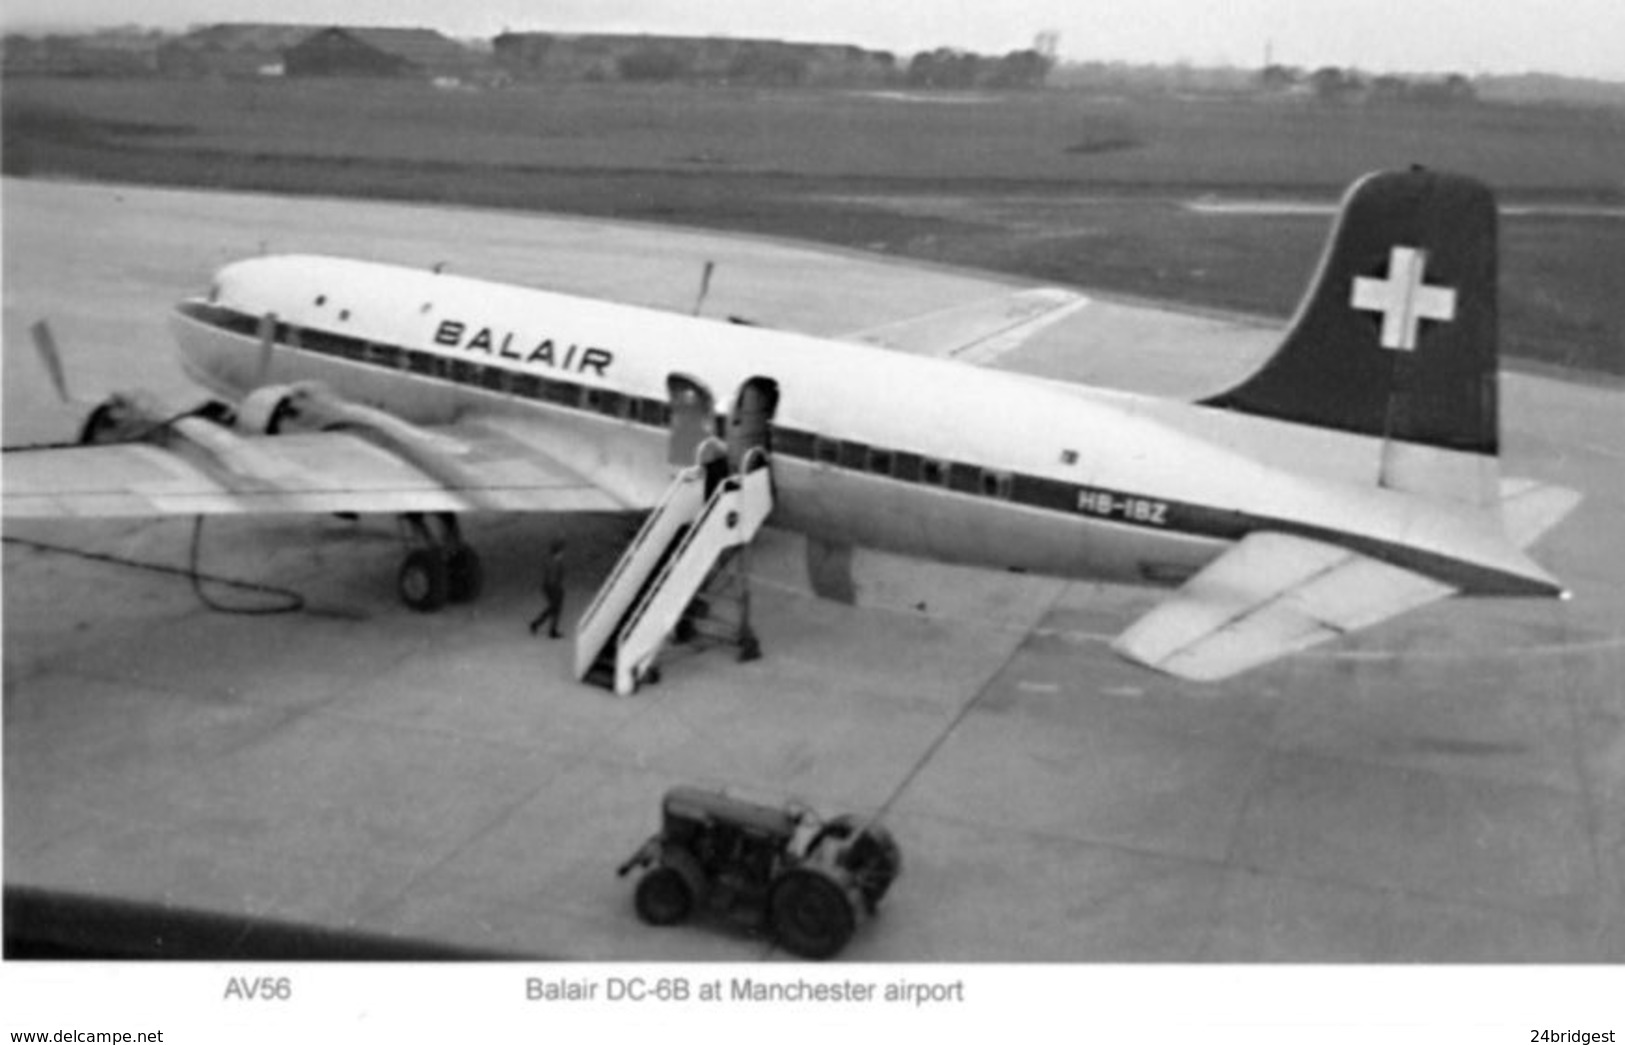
<point>682,546</point>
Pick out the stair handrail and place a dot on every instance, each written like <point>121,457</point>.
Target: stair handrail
<point>597,630</point>
<point>756,459</point>
<point>694,471</point>
<point>726,489</point>
<point>683,478</point>
<point>727,486</point>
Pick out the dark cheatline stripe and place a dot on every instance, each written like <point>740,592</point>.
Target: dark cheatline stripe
<point>951,477</point>
<point>569,394</point>
<point>962,477</point>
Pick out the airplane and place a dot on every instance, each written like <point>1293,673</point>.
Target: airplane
<point>1352,477</point>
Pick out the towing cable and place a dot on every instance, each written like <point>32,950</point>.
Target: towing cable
<point>284,600</point>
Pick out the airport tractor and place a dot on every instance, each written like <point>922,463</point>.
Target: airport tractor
<point>806,881</point>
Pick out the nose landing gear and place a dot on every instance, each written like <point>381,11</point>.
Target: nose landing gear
<point>438,567</point>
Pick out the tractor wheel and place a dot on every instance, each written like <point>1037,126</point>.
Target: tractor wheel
<point>464,576</point>
<point>663,896</point>
<point>422,582</point>
<point>872,856</point>
<point>810,914</point>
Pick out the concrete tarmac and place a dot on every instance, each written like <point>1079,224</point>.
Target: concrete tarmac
<point>1449,787</point>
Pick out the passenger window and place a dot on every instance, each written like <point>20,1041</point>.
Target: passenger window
<point>792,442</point>
<point>610,404</point>
<point>654,412</point>
<point>932,471</point>
<point>966,478</point>
<point>827,451</point>
<point>562,392</point>
<point>880,461</point>
<point>997,484</point>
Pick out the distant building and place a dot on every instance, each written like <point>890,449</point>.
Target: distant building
<point>417,53</point>
<point>232,49</point>
<point>263,49</point>
<point>691,59</point>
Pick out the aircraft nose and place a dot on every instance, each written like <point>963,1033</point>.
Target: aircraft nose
<point>209,326</point>
<point>228,285</point>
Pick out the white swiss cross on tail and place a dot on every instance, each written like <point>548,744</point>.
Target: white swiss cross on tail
<point>1403,299</point>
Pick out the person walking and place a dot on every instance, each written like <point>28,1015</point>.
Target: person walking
<point>552,591</point>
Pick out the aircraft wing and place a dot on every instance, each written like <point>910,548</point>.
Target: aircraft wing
<point>1270,595</point>
<point>498,466</point>
<point>979,332</point>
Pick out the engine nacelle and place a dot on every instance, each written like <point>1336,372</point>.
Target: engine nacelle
<point>125,417</point>
<point>268,410</point>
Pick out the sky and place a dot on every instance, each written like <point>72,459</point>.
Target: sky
<point>1571,37</point>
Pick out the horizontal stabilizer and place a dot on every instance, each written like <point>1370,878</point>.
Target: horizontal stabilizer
<point>1270,595</point>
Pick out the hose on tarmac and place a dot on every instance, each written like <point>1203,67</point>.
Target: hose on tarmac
<point>282,600</point>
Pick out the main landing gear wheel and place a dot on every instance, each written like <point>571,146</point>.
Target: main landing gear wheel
<point>811,914</point>
<point>424,581</point>
<point>439,568</point>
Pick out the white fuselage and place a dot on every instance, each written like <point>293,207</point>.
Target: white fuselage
<point>870,446</point>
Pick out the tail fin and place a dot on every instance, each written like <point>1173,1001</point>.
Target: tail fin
<point>1396,337</point>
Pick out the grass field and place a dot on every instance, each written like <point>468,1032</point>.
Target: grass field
<point>1054,186</point>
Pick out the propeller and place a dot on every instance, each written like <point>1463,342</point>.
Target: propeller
<point>119,416</point>
<point>705,286</point>
<point>267,336</point>
<point>115,413</point>
<point>51,357</point>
